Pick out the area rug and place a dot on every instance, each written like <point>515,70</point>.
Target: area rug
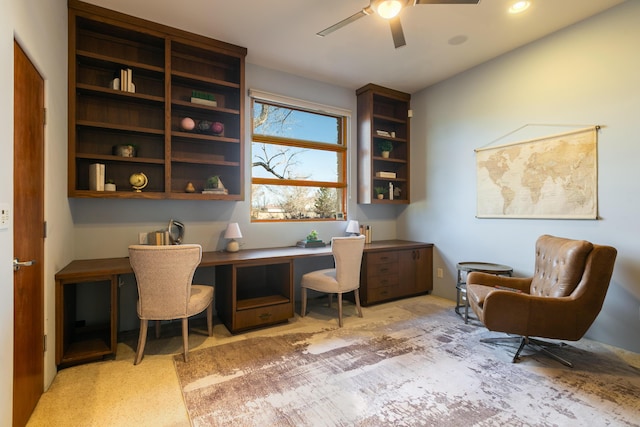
<point>420,365</point>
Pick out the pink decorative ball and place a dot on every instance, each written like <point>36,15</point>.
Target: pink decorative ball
<point>187,124</point>
<point>217,128</point>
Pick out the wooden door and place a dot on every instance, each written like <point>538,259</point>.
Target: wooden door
<point>28,237</point>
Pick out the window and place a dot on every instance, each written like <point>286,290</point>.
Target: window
<point>298,160</point>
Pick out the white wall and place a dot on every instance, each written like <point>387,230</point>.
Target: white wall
<point>586,74</point>
<point>40,26</point>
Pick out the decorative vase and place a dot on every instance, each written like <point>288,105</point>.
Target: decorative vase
<point>109,186</point>
<point>380,196</point>
<point>385,154</point>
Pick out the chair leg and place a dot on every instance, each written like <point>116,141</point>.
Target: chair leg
<point>303,297</point>
<point>210,319</point>
<point>539,345</point>
<point>142,340</point>
<point>330,300</point>
<point>185,338</point>
<point>356,295</point>
<point>157,329</point>
<point>544,346</point>
<point>340,309</point>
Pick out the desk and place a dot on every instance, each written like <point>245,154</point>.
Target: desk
<point>254,288</point>
<point>465,268</point>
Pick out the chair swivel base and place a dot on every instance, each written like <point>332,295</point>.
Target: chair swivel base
<point>540,345</point>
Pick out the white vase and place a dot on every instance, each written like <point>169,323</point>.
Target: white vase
<point>109,187</point>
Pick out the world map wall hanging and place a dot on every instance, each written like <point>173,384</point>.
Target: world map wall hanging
<point>549,177</point>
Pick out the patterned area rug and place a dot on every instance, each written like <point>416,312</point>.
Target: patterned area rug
<point>418,366</point>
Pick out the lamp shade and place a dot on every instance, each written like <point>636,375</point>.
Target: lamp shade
<point>353,227</point>
<point>233,231</point>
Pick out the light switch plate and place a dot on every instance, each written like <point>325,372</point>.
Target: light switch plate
<point>4,216</point>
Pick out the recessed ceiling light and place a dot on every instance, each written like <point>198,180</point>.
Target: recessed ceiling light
<point>456,40</point>
<point>519,6</point>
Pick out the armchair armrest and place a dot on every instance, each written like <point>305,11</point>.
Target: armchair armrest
<point>520,283</point>
<point>530,315</point>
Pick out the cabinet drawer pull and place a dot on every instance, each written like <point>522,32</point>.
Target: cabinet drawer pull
<point>265,316</point>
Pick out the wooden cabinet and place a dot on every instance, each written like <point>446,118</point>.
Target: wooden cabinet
<point>254,294</point>
<point>383,119</point>
<point>78,341</point>
<point>168,67</point>
<point>396,272</point>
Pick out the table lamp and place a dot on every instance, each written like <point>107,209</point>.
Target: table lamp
<point>353,228</point>
<point>232,233</point>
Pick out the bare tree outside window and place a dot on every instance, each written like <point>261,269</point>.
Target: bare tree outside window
<point>298,164</point>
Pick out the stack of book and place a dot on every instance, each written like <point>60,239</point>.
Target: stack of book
<point>383,174</point>
<point>215,191</point>
<point>367,232</point>
<point>311,244</point>
<point>203,98</point>
<point>124,82</point>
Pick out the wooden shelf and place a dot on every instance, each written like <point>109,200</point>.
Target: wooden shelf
<point>258,302</point>
<point>167,66</point>
<point>380,108</point>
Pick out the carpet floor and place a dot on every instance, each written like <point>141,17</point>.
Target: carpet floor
<point>407,363</point>
<point>418,366</point>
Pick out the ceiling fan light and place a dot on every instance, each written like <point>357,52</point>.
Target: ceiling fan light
<point>519,6</point>
<point>389,8</point>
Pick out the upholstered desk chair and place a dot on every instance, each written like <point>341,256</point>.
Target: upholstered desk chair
<point>560,301</point>
<point>165,292</point>
<point>345,277</point>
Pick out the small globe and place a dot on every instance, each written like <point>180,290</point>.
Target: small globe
<point>138,181</point>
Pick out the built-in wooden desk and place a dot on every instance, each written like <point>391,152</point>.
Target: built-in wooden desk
<point>254,288</point>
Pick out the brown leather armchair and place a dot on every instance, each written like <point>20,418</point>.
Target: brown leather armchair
<point>560,301</point>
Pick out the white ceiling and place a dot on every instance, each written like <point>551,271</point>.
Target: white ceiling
<point>281,34</point>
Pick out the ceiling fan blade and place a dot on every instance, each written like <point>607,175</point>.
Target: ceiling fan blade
<point>447,2</point>
<point>349,20</point>
<point>397,33</point>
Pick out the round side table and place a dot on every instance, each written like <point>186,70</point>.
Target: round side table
<point>465,268</point>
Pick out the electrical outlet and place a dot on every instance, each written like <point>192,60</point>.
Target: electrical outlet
<point>440,273</point>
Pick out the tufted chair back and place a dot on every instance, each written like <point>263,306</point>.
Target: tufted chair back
<point>559,265</point>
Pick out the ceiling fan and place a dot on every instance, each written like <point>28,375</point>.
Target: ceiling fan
<point>389,9</point>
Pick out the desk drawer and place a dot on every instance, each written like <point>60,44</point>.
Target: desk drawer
<point>388,280</point>
<point>382,293</point>
<point>386,269</point>
<point>381,258</point>
<point>261,316</point>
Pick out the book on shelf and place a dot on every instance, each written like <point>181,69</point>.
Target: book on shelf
<point>203,98</point>
<point>126,83</point>
<point>367,232</point>
<point>160,237</point>
<point>383,174</point>
<point>96,177</point>
<point>215,191</point>
<point>209,102</point>
<point>382,133</point>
